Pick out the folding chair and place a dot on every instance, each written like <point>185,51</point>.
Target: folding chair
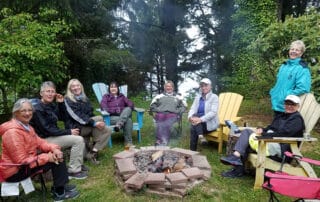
<point>10,189</point>
<point>299,187</point>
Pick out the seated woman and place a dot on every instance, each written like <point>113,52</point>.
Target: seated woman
<point>288,124</point>
<point>168,106</point>
<point>120,109</point>
<point>81,116</point>
<point>203,114</point>
<point>20,144</point>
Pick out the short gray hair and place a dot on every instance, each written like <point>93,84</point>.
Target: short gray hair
<point>47,84</point>
<point>18,104</point>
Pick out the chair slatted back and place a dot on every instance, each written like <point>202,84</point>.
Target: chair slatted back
<point>310,111</point>
<point>229,105</point>
<point>101,88</point>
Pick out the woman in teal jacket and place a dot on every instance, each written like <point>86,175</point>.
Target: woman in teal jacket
<point>293,78</point>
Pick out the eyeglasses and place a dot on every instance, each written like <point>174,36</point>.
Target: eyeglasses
<point>24,111</point>
<point>290,104</point>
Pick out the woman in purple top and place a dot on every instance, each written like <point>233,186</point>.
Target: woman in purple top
<point>120,109</point>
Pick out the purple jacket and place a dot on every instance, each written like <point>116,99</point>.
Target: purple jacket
<point>115,104</point>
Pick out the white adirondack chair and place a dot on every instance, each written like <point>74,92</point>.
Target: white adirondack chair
<point>310,111</point>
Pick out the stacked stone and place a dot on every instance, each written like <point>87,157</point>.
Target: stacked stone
<point>165,184</point>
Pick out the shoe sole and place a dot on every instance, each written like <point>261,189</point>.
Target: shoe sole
<point>230,163</point>
<point>67,198</point>
<point>77,178</point>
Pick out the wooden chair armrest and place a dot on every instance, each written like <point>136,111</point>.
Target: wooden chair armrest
<point>104,113</point>
<point>286,139</point>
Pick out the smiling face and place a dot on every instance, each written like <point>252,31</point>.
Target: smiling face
<point>205,88</point>
<point>168,88</point>
<point>24,114</point>
<point>114,89</point>
<point>290,107</point>
<point>76,88</point>
<point>295,52</point>
<point>48,94</point>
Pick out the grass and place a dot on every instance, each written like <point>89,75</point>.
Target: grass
<point>101,184</point>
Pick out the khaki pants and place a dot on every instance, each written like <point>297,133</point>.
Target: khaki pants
<point>77,149</point>
<point>99,137</point>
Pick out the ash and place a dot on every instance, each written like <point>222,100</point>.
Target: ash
<point>169,160</point>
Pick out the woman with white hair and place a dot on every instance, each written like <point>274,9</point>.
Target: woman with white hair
<point>293,78</point>
<point>21,145</point>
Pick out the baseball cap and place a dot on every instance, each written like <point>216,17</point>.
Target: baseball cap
<point>293,98</point>
<point>206,81</point>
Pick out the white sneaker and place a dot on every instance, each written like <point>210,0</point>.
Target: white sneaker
<point>203,140</point>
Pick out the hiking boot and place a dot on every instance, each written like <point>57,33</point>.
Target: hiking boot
<point>66,195</point>
<point>203,140</point>
<point>79,175</point>
<point>92,157</point>
<point>231,160</point>
<point>118,126</point>
<point>237,171</point>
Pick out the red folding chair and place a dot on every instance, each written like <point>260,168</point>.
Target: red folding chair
<point>293,186</point>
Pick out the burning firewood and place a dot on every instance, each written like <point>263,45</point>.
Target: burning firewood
<point>181,164</point>
<point>157,155</point>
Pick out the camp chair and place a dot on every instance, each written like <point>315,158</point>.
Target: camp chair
<point>100,89</point>
<point>310,111</point>
<point>229,105</point>
<point>9,189</point>
<point>293,186</point>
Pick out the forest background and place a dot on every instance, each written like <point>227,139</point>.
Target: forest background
<point>238,44</point>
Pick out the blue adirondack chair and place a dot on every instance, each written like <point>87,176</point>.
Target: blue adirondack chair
<point>99,90</point>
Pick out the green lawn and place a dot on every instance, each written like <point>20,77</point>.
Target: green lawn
<point>101,184</point>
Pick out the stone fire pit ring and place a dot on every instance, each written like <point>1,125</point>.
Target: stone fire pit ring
<point>135,172</point>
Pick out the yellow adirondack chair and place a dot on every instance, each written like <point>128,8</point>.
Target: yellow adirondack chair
<point>310,111</point>
<point>229,105</point>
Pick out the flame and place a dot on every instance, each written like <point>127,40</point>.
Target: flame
<point>167,170</point>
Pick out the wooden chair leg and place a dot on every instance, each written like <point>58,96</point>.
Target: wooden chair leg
<point>260,165</point>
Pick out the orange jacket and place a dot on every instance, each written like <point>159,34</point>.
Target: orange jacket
<point>20,146</point>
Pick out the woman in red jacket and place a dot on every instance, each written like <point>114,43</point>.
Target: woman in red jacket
<point>21,145</point>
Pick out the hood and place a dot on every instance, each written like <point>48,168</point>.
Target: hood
<point>9,125</point>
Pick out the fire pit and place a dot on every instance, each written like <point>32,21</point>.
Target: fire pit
<point>161,170</point>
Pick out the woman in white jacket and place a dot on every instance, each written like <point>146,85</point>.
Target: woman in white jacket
<point>203,114</point>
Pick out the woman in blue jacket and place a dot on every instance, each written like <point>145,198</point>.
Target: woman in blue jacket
<point>293,78</point>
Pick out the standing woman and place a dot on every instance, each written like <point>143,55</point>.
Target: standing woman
<point>21,145</point>
<point>81,116</point>
<point>293,78</point>
<point>120,109</point>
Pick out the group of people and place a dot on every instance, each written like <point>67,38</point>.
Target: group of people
<point>33,137</point>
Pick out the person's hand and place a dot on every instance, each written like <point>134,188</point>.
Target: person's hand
<point>195,120</point>
<point>75,131</point>
<point>59,97</point>
<point>58,154</point>
<point>52,158</point>
<point>100,125</point>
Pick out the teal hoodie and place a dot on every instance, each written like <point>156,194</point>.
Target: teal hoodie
<point>293,78</point>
